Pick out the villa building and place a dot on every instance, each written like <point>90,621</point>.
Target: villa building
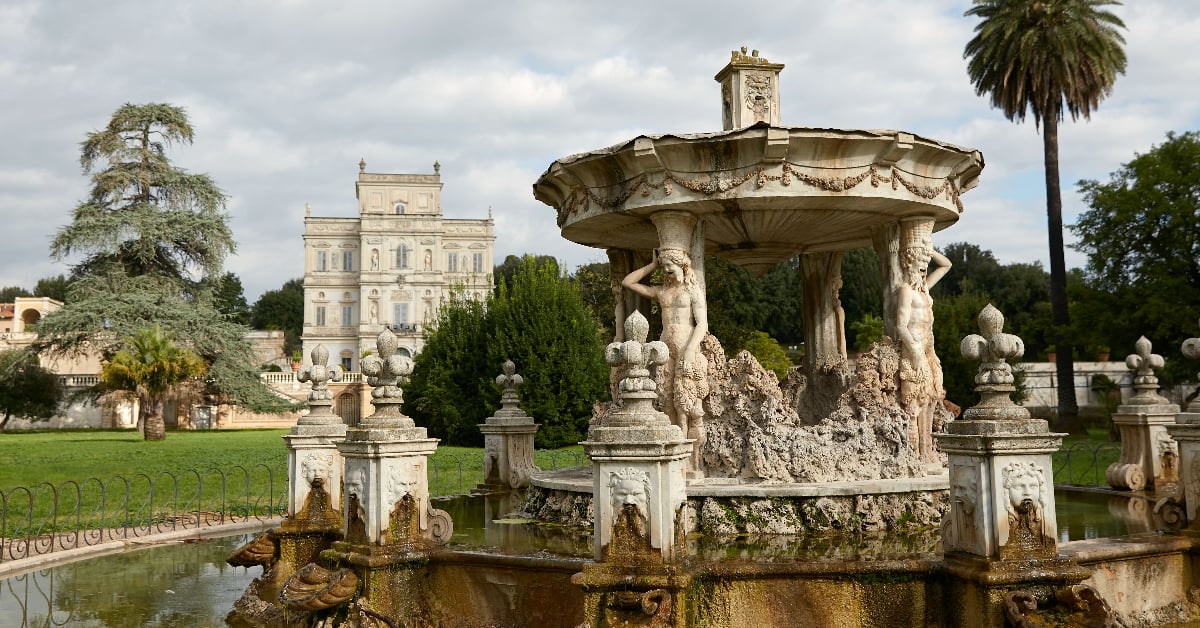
<point>391,265</point>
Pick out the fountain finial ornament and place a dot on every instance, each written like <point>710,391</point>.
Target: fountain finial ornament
<point>385,371</point>
<point>320,399</point>
<point>994,381</point>
<point>1191,351</point>
<point>1145,383</point>
<point>509,380</point>
<point>634,358</point>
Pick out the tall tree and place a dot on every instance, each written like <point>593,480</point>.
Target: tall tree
<point>229,298</point>
<point>54,287</point>
<point>8,293</point>
<point>1142,240</point>
<point>537,320</point>
<point>146,237</point>
<point>151,365</point>
<point>282,309</point>
<point>1048,58</point>
<point>27,389</point>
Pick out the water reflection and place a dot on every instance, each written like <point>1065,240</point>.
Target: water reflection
<point>1087,515</point>
<point>191,585</point>
<point>185,584</point>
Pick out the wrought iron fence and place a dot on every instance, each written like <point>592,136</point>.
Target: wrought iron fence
<point>46,518</point>
<point>1085,463</point>
<point>453,474</point>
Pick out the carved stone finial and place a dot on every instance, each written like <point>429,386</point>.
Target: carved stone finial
<point>1191,351</point>
<point>510,382</point>
<point>307,210</point>
<point>320,399</point>
<point>1145,383</point>
<point>362,165</point>
<point>385,370</point>
<point>994,381</point>
<point>319,374</point>
<point>437,167</point>
<point>634,358</point>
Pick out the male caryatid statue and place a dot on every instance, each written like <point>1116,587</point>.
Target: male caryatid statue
<point>683,380</point>
<point>921,390</point>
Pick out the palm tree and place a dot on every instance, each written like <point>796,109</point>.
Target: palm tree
<point>1047,58</point>
<point>151,365</point>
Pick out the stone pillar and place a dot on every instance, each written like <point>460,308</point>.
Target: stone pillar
<point>1149,458</point>
<point>390,526</point>
<point>637,454</point>
<point>638,494</point>
<point>312,443</point>
<point>508,438</point>
<point>1186,432</point>
<point>1000,533</point>
<point>313,519</point>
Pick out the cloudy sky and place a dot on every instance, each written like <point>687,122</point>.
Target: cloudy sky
<point>287,96</point>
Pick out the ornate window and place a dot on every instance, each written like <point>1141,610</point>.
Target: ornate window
<point>347,260</point>
<point>322,260</point>
<point>452,262</point>
<point>402,252</point>
<point>320,316</point>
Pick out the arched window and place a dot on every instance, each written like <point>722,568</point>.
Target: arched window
<point>400,208</point>
<point>402,256</point>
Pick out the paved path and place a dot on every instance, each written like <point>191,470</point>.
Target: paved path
<point>10,568</point>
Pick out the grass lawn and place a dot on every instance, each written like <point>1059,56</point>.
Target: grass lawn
<point>187,471</point>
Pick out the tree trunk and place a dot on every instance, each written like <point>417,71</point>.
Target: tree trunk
<point>1068,409</point>
<point>155,427</point>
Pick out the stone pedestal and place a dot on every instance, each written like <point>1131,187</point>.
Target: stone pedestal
<point>389,523</point>
<point>1000,535</point>
<point>643,469</point>
<point>997,468</point>
<point>314,474</point>
<point>1149,457</point>
<point>380,470</point>
<point>508,439</point>
<point>1186,432</point>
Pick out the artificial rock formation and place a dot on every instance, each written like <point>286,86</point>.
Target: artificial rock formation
<point>755,433</point>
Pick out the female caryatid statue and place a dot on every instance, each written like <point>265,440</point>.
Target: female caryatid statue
<point>683,381</point>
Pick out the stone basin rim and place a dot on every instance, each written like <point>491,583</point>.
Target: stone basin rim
<point>572,480</point>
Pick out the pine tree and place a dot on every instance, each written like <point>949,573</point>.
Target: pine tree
<point>146,239</point>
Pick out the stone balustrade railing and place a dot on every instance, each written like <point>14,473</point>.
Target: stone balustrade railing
<point>352,377</point>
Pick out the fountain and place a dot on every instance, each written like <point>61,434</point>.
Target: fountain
<point>717,495</point>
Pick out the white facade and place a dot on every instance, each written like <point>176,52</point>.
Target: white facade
<point>391,265</point>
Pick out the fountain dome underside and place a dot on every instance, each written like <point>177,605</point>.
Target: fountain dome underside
<point>764,193</point>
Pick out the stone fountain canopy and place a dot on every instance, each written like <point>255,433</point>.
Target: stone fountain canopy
<point>764,193</point>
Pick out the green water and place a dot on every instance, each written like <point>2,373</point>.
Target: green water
<point>190,584</point>
<point>186,584</point>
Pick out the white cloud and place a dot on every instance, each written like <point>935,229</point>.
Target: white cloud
<point>287,96</point>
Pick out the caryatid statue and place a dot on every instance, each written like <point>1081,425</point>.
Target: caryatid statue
<point>683,380</point>
<point>921,390</point>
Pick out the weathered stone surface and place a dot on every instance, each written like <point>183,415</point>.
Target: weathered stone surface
<point>716,516</point>
<point>752,432</point>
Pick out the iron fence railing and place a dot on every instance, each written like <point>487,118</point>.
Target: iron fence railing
<point>47,517</point>
<point>1085,463</point>
<point>453,474</point>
